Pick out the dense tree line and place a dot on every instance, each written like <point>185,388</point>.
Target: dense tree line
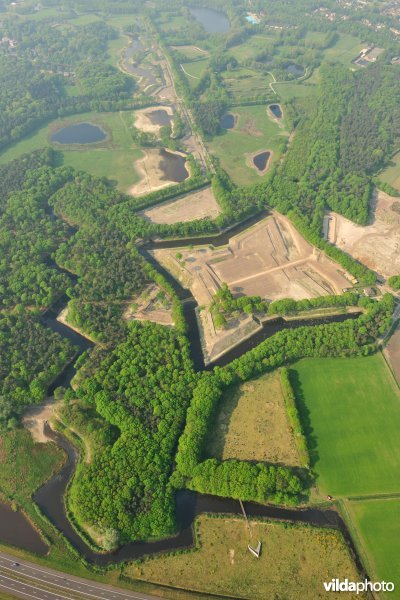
<point>196,471</point>
<point>143,389</point>
<point>31,356</point>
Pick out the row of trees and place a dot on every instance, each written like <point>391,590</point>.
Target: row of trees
<point>196,471</point>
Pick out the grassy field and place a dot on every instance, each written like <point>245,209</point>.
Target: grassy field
<point>392,172</point>
<point>245,83</point>
<point>255,131</point>
<point>24,465</point>
<point>113,159</point>
<point>345,50</point>
<point>378,525</point>
<point>252,424</point>
<point>194,70</point>
<point>294,563</point>
<point>351,412</point>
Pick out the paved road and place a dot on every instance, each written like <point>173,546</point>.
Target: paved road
<point>26,580</point>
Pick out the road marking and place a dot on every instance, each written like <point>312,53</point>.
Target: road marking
<point>38,589</point>
<point>127,594</point>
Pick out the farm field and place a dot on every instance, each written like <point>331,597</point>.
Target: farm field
<point>391,174</point>
<point>254,132</point>
<point>378,525</point>
<point>195,205</point>
<point>114,158</point>
<point>376,245</point>
<point>351,412</point>
<point>295,559</point>
<point>252,424</point>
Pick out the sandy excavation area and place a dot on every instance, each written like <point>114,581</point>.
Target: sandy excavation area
<point>192,206</point>
<point>376,245</point>
<point>150,120</point>
<point>156,172</point>
<point>270,260</point>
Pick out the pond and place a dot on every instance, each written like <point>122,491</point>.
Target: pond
<point>129,64</point>
<point>79,133</point>
<point>17,530</point>
<point>276,110</point>
<point>227,121</point>
<point>160,117</point>
<point>260,161</point>
<point>173,166</point>
<point>213,21</point>
<point>295,70</point>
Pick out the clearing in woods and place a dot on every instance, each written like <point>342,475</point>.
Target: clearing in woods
<point>252,424</point>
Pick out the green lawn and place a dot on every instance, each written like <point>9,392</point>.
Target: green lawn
<point>378,524</point>
<point>194,70</point>
<point>392,172</point>
<point>346,49</point>
<point>351,411</point>
<point>113,159</point>
<point>254,131</point>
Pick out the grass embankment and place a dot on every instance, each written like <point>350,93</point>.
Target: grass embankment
<point>252,424</point>
<point>391,174</point>
<point>294,563</point>
<point>114,158</point>
<point>255,131</point>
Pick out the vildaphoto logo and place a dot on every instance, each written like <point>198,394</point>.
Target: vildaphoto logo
<point>337,585</point>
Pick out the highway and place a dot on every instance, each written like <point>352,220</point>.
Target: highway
<point>22,579</point>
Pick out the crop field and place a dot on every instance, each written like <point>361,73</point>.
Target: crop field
<point>252,424</point>
<point>391,174</point>
<point>351,413</point>
<point>254,132</point>
<point>114,158</point>
<point>296,559</point>
<point>378,525</point>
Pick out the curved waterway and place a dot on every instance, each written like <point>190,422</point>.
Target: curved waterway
<point>50,499</point>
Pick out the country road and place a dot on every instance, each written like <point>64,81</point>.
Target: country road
<point>22,579</point>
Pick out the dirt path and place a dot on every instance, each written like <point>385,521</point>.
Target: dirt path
<point>36,418</point>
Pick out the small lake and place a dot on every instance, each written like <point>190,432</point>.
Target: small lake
<point>276,110</point>
<point>173,166</point>
<point>295,70</point>
<point>260,161</point>
<point>79,133</point>
<point>227,121</point>
<point>160,117</point>
<point>213,21</point>
<point>16,530</point>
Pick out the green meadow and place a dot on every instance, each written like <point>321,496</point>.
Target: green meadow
<point>114,158</point>
<point>378,527</point>
<point>351,413</point>
<point>391,174</point>
<point>254,132</point>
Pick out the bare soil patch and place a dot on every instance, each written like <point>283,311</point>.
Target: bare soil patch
<point>252,424</point>
<point>195,205</point>
<point>376,245</point>
<point>152,305</point>
<point>270,260</point>
<point>36,417</point>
